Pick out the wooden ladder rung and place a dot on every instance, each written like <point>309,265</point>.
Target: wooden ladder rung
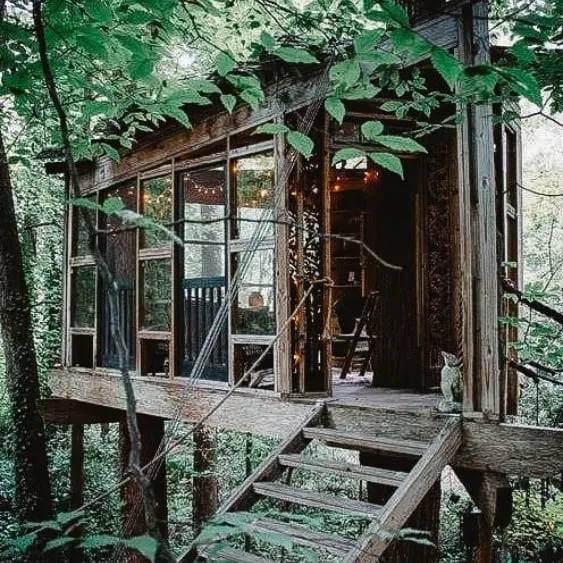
<point>301,535</point>
<point>351,440</point>
<point>344,469</point>
<point>316,500</point>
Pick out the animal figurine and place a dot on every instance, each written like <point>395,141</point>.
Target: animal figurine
<point>451,384</point>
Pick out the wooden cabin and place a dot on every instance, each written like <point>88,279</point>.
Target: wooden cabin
<point>288,251</point>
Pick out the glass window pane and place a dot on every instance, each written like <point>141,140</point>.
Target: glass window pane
<point>118,244</point>
<point>81,233</point>
<point>84,294</point>
<point>253,177</point>
<point>255,303</point>
<point>156,295</point>
<point>157,206</point>
<point>204,230</point>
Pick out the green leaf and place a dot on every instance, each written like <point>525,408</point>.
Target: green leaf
<point>447,65</point>
<point>224,63</point>
<point>379,57</point>
<point>110,151</point>
<point>179,115</point>
<point>361,92</point>
<point>99,10</point>
<point>229,101</point>
<point>523,53</point>
<point>347,154</point>
<point>253,97</point>
<point>388,161</point>
<point>85,203</point>
<point>336,108</point>
<point>58,542</point>
<point>523,83</point>
<point>396,13</point>
<point>267,41</point>
<point>66,518</point>
<point>372,129</point>
<point>346,72</point>
<point>140,68</point>
<point>272,129</point>
<point>391,106</point>
<point>301,143</point>
<point>402,144</point>
<point>146,545</point>
<point>294,55</point>
<point>367,40</point>
<point>98,541</point>
<point>205,86</point>
<point>113,205</point>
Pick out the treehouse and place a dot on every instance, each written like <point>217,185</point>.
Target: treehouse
<point>276,281</point>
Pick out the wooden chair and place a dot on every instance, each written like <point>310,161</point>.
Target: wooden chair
<point>360,343</point>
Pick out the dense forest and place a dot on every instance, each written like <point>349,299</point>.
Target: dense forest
<point>83,79</point>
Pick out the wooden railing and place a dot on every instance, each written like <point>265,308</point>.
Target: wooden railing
<point>126,303</point>
<point>202,299</point>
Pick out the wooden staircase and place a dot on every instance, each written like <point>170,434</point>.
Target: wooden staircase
<point>429,460</point>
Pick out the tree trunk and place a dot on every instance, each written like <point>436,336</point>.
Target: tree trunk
<point>152,433</point>
<point>204,482</point>
<point>33,490</point>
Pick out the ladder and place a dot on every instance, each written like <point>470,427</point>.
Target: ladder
<point>429,459</point>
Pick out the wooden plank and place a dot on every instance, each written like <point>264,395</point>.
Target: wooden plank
<point>343,469</point>
<point>247,410</point>
<point>316,500</point>
<point>407,497</point>
<point>361,442</point>
<point>300,535</point>
<point>483,225</point>
<point>270,468</point>
<point>511,449</point>
<point>69,411</point>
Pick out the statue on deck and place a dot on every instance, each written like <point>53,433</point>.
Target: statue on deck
<point>451,384</point>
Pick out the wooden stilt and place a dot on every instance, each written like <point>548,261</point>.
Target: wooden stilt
<point>77,481</point>
<point>152,432</point>
<point>205,485</point>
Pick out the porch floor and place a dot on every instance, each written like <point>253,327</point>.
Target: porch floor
<point>357,391</point>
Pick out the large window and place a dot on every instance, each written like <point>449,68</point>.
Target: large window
<point>155,322</point>
<point>119,248</point>
<point>204,266</point>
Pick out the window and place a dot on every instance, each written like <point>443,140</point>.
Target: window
<point>156,207</point>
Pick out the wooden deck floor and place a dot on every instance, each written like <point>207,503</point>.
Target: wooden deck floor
<point>357,391</point>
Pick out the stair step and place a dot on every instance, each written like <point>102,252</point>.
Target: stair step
<point>344,469</point>
<point>316,500</point>
<point>305,537</point>
<point>233,555</point>
<point>351,440</point>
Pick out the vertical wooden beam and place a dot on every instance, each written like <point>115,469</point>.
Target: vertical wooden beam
<point>478,227</point>
<point>152,433</point>
<point>282,352</point>
<point>205,486</point>
<point>77,479</point>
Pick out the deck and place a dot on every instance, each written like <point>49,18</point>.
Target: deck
<point>357,391</point>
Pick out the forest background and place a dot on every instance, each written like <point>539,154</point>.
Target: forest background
<point>109,57</point>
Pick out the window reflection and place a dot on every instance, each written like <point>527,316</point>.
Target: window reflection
<point>84,292</point>
<point>156,295</point>
<point>157,206</point>
<point>254,191</point>
<point>81,232</point>
<point>204,230</point>
<point>255,303</point>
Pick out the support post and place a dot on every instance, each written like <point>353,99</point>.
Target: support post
<point>492,494</point>
<point>205,486</point>
<point>152,432</point>
<point>77,480</point>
